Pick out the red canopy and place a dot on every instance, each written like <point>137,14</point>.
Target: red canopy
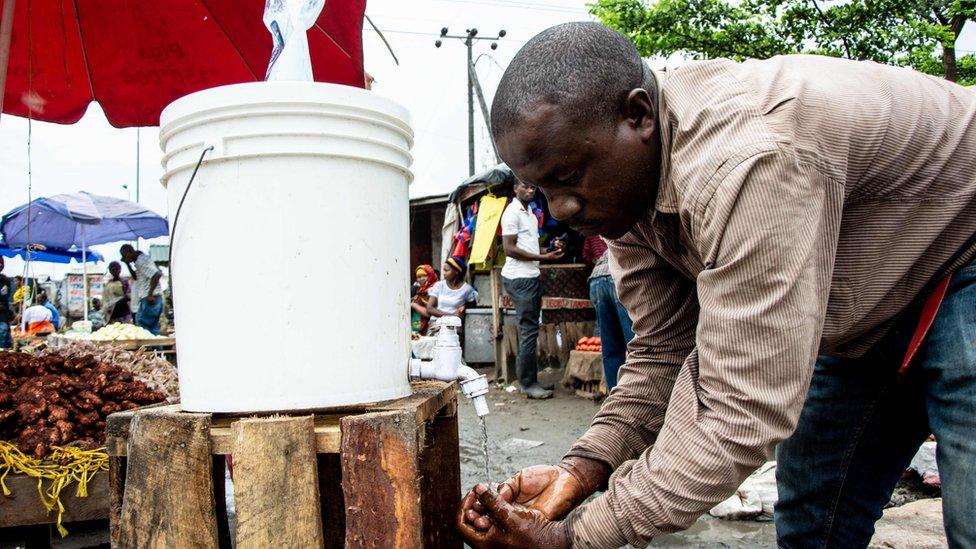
<point>136,56</point>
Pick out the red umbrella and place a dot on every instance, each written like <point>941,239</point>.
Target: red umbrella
<point>136,56</point>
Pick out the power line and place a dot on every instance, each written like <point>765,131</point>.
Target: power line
<point>524,5</point>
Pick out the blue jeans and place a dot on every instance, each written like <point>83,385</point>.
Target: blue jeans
<point>6,341</point>
<point>616,329</point>
<point>861,425</point>
<point>148,314</point>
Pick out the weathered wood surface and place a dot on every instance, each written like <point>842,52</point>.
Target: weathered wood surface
<point>381,480</point>
<point>276,489</point>
<point>393,479</point>
<point>440,480</point>
<point>23,506</point>
<point>428,397</point>
<point>169,493</point>
<point>116,480</point>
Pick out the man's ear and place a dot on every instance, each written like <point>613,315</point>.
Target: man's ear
<point>641,112</point>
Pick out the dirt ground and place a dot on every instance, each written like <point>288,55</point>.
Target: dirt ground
<point>516,426</point>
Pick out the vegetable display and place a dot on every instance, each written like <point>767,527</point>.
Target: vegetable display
<point>53,399</point>
<point>591,344</point>
<point>114,332</point>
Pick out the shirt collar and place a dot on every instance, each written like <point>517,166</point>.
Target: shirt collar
<point>666,200</point>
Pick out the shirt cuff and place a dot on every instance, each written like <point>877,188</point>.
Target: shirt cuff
<point>603,443</point>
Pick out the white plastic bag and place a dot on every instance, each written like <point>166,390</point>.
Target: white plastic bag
<point>288,22</point>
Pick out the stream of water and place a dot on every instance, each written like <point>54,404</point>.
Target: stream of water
<point>484,450</point>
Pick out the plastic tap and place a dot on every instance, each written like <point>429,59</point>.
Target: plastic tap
<point>447,365</point>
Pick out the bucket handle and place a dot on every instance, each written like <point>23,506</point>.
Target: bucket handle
<point>176,218</point>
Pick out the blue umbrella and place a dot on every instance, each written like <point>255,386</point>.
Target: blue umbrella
<point>81,220</point>
<point>51,255</point>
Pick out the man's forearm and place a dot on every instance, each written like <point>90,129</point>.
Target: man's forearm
<point>153,283</point>
<point>523,255</point>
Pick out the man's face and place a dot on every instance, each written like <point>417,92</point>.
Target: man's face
<point>115,269</point>
<point>524,192</point>
<point>600,179</point>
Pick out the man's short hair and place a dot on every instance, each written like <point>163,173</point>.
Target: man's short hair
<point>126,248</point>
<point>586,67</point>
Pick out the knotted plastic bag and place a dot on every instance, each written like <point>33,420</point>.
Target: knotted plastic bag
<point>288,22</point>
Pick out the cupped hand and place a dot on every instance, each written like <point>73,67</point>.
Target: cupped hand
<point>509,525</point>
<point>550,489</point>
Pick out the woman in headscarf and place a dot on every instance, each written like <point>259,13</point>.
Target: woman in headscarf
<point>419,317</point>
<point>450,296</point>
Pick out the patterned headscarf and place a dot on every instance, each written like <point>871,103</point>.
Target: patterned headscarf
<point>431,279</point>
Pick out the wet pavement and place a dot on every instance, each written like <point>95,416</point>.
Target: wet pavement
<point>529,432</point>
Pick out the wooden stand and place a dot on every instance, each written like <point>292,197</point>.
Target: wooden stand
<point>23,516</point>
<point>379,475</point>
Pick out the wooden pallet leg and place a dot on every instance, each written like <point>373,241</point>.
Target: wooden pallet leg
<point>380,480</point>
<point>276,490</point>
<point>440,470</point>
<point>168,499</point>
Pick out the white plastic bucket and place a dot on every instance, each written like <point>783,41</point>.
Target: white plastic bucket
<point>290,256</point>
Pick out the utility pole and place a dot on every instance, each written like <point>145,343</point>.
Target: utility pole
<point>469,37</point>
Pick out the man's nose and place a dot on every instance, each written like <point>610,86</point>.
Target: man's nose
<point>564,207</point>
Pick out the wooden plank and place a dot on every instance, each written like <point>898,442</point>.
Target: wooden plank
<point>498,322</point>
<point>116,485</point>
<point>169,495</point>
<point>380,480</point>
<point>511,353</point>
<point>440,473</point>
<point>428,397</point>
<point>23,506</point>
<point>276,489</point>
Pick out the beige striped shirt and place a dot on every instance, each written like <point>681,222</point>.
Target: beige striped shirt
<point>804,203</point>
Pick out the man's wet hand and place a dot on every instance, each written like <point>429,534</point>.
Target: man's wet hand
<point>506,524</point>
<point>550,489</point>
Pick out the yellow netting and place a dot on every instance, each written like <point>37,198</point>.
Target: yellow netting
<point>61,467</point>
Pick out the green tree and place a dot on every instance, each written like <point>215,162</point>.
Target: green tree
<point>920,34</point>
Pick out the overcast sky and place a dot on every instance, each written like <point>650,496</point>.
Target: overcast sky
<point>92,155</point>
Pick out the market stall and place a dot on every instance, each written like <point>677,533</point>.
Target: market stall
<point>53,406</point>
<point>471,230</point>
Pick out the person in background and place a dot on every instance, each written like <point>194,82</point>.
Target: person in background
<point>38,318</point>
<point>148,291</point>
<point>419,317</point>
<point>20,290</point>
<point>55,314</point>
<point>95,315</point>
<point>6,314</point>
<point>616,328</point>
<point>449,297</point>
<point>520,278</point>
<point>115,296</point>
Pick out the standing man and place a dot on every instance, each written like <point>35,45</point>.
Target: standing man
<point>520,277</point>
<point>616,329</point>
<point>776,227</point>
<point>149,293</point>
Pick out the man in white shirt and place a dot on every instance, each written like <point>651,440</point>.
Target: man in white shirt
<point>520,277</point>
<point>148,292</point>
